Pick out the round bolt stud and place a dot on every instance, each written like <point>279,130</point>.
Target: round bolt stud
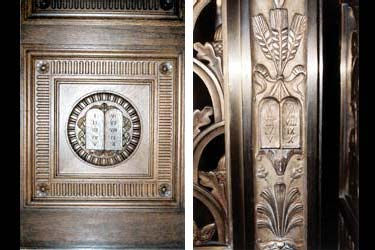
<point>44,4</point>
<point>42,67</point>
<point>164,190</point>
<point>166,4</point>
<point>42,189</point>
<point>166,68</point>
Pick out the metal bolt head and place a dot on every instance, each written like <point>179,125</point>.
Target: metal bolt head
<point>166,68</point>
<point>166,4</point>
<point>44,4</point>
<point>42,189</point>
<point>164,190</point>
<point>42,67</point>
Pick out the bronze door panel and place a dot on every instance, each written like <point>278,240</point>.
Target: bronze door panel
<point>101,124</point>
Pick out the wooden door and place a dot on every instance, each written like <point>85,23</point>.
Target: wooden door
<point>101,123</point>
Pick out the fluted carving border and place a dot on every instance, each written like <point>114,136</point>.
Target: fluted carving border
<point>43,189</point>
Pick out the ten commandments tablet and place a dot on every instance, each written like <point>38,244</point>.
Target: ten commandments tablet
<point>104,129</point>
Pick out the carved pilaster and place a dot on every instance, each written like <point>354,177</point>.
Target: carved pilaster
<point>279,83</point>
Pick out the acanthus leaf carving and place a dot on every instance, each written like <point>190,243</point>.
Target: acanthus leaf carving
<point>280,211</point>
<point>201,118</point>
<point>207,53</point>
<point>216,180</point>
<point>200,236</point>
<point>210,185</point>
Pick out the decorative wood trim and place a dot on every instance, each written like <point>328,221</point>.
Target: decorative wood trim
<point>272,121</point>
<point>210,187</point>
<point>149,9</point>
<point>161,188</point>
<point>278,122</point>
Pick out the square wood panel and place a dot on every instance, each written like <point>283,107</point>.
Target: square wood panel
<point>60,171</point>
<point>69,93</point>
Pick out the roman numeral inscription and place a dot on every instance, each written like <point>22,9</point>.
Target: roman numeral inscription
<point>104,129</point>
<point>95,129</point>
<point>271,120</point>
<point>113,130</point>
<point>270,128</point>
<point>291,112</point>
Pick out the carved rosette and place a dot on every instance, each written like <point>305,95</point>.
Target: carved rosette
<point>279,82</point>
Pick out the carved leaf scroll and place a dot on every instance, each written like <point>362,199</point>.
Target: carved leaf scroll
<point>216,180</point>
<point>203,235</point>
<point>201,118</point>
<point>207,53</point>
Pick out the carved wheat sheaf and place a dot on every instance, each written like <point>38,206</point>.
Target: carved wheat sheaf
<point>279,30</point>
<point>279,42</point>
<point>263,35</point>
<point>295,35</point>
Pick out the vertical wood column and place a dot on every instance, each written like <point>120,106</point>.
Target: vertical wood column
<point>272,69</point>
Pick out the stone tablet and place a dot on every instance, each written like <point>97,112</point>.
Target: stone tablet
<point>269,124</point>
<point>113,130</point>
<point>291,125</point>
<point>95,129</point>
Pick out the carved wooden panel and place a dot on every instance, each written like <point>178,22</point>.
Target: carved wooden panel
<point>211,192</point>
<point>154,9</point>
<point>103,129</point>
<point>271,85</point>
<point>279,116</point>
